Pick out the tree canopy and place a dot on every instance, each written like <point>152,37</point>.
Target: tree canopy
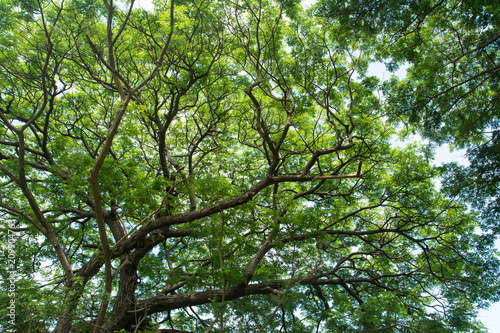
<point>451,92</point>
<point>230,166</point>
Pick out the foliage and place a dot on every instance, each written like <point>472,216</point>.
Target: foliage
<point>227,166</point>
<point>451,91</point>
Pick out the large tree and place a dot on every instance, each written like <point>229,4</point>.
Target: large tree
<point>219,166</point>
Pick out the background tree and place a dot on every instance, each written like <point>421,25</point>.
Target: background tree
<point>451,91</point>
<point>219,166</point>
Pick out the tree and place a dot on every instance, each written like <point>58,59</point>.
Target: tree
<point>219,166</point>
<point>450,94</point>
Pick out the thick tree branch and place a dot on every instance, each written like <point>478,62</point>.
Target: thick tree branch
<point>163,303</point>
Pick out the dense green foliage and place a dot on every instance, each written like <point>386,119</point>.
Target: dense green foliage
<point>216,166</point>
<point>452,90</point>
